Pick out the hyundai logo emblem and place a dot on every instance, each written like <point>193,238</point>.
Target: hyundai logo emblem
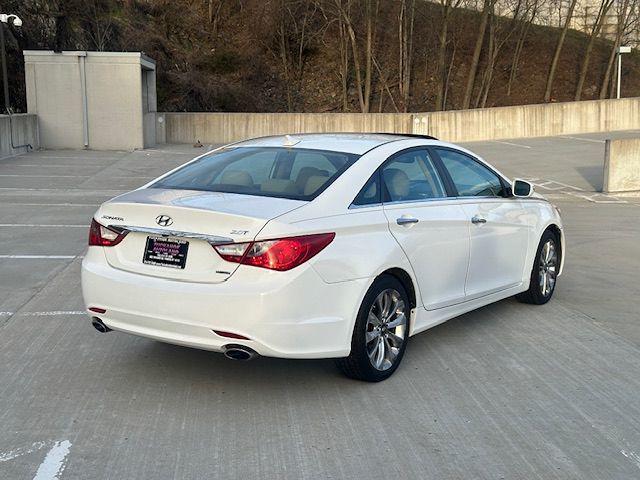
<point>164,220</point>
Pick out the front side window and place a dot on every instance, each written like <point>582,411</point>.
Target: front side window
<point>299,174</point>
<point>411,176</point>
<point>471,178</point>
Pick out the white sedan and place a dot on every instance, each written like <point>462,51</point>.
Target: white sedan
<point>316,246</point>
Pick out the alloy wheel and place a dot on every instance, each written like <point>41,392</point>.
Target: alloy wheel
<point>548,267</point>
<point>386,329</point>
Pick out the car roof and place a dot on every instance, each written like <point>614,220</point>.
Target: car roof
<point>356,143</point>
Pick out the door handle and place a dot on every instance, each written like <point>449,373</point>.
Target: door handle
<point>406,220</point>
<point>476,219</point>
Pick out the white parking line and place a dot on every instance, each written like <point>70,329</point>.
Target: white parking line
<point>68,157</point>
<point>597,197</point>
<point>54,463</point>
<point>18,452</point>
<point>149,151</point>
<point>553,185</point>
<point>512,144</point>
<point>45,176</point>
<point>62,191</point>
<point>592,140</point>
<point>560,188</point>
<point>54,313</point>
<point>12,156</point>
<point>6,204</point>
<point>40,225</point>
<point>53,165</point>
<point>633,456</point>
<point>40,257</point>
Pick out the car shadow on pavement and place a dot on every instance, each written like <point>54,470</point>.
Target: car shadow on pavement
<point>594,174</point>
<point>158,362</point>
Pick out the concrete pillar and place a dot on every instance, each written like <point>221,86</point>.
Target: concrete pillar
<point>622,165</point>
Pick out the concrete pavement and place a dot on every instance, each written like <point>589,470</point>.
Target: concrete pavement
<point>509,391</point>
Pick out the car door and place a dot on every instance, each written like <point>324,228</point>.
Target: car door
<point>431,228</point>
<point>498,224</point>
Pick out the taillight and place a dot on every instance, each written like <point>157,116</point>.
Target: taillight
<point>280,254</point>
<point>101,236</point>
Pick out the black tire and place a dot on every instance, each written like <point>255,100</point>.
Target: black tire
<point>535,294</point>
<point>358,364</point>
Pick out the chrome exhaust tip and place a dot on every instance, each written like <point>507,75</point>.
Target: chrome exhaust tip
<point>99,325</point>
<point>239,352</point>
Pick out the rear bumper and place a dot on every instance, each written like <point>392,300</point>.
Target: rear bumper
<point>292,314</point>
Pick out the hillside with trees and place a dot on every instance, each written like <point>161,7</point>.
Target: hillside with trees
<point>338,55</point>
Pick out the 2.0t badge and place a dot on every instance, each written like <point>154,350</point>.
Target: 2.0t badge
<point>164,220</point>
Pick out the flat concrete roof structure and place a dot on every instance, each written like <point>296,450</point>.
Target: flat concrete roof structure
<point>95,100</point>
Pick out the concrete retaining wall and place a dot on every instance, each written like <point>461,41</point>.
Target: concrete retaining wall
<point>622,165</point>
<point>532,120</point>
<point>454,126</point>
<point>231,127</point>
<point>25,131</point>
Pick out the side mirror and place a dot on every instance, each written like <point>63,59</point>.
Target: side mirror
<point>521,188</point>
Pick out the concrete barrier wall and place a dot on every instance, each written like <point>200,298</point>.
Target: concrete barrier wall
<point>622,165</point>
<point>532,120</point>
<point>25,131</point>
<point>454,126</point>
<point>231,127</point>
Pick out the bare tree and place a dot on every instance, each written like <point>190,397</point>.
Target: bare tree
<point>621,28</point>
<point>558,50</point>
<point>595,31</point>
<point>446,9</point>
<point>294,37</point>
<point>98,23</point>
<point>448,76</point>
<point>499,34</point>
<point>525,26</point>
<point>475,59</point>
<point>214,13</point>
<point>371,16</point>
<point>355,53</point>
<point>384,87</point>
<point>344,62</point>
<point>406,17</point>
<point>345,11</point>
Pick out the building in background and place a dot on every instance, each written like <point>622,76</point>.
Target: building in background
<point>94,100</point>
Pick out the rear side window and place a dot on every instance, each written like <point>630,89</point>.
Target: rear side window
<point>471,178</point>
<point>299,174</point>
<point>370,193</point>
<point>411,176</point>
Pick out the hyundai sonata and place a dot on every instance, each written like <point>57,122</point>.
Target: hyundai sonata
<point>316,246</point>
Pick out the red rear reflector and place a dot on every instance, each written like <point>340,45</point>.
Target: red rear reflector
<point>279,254</point>
<point>230,335</point>
<point>101,236</point>
<point>97,310</point>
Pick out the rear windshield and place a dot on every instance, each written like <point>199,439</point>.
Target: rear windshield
<point>299,174</point>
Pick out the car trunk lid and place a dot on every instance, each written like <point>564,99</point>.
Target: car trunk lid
<point>171,232</point>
